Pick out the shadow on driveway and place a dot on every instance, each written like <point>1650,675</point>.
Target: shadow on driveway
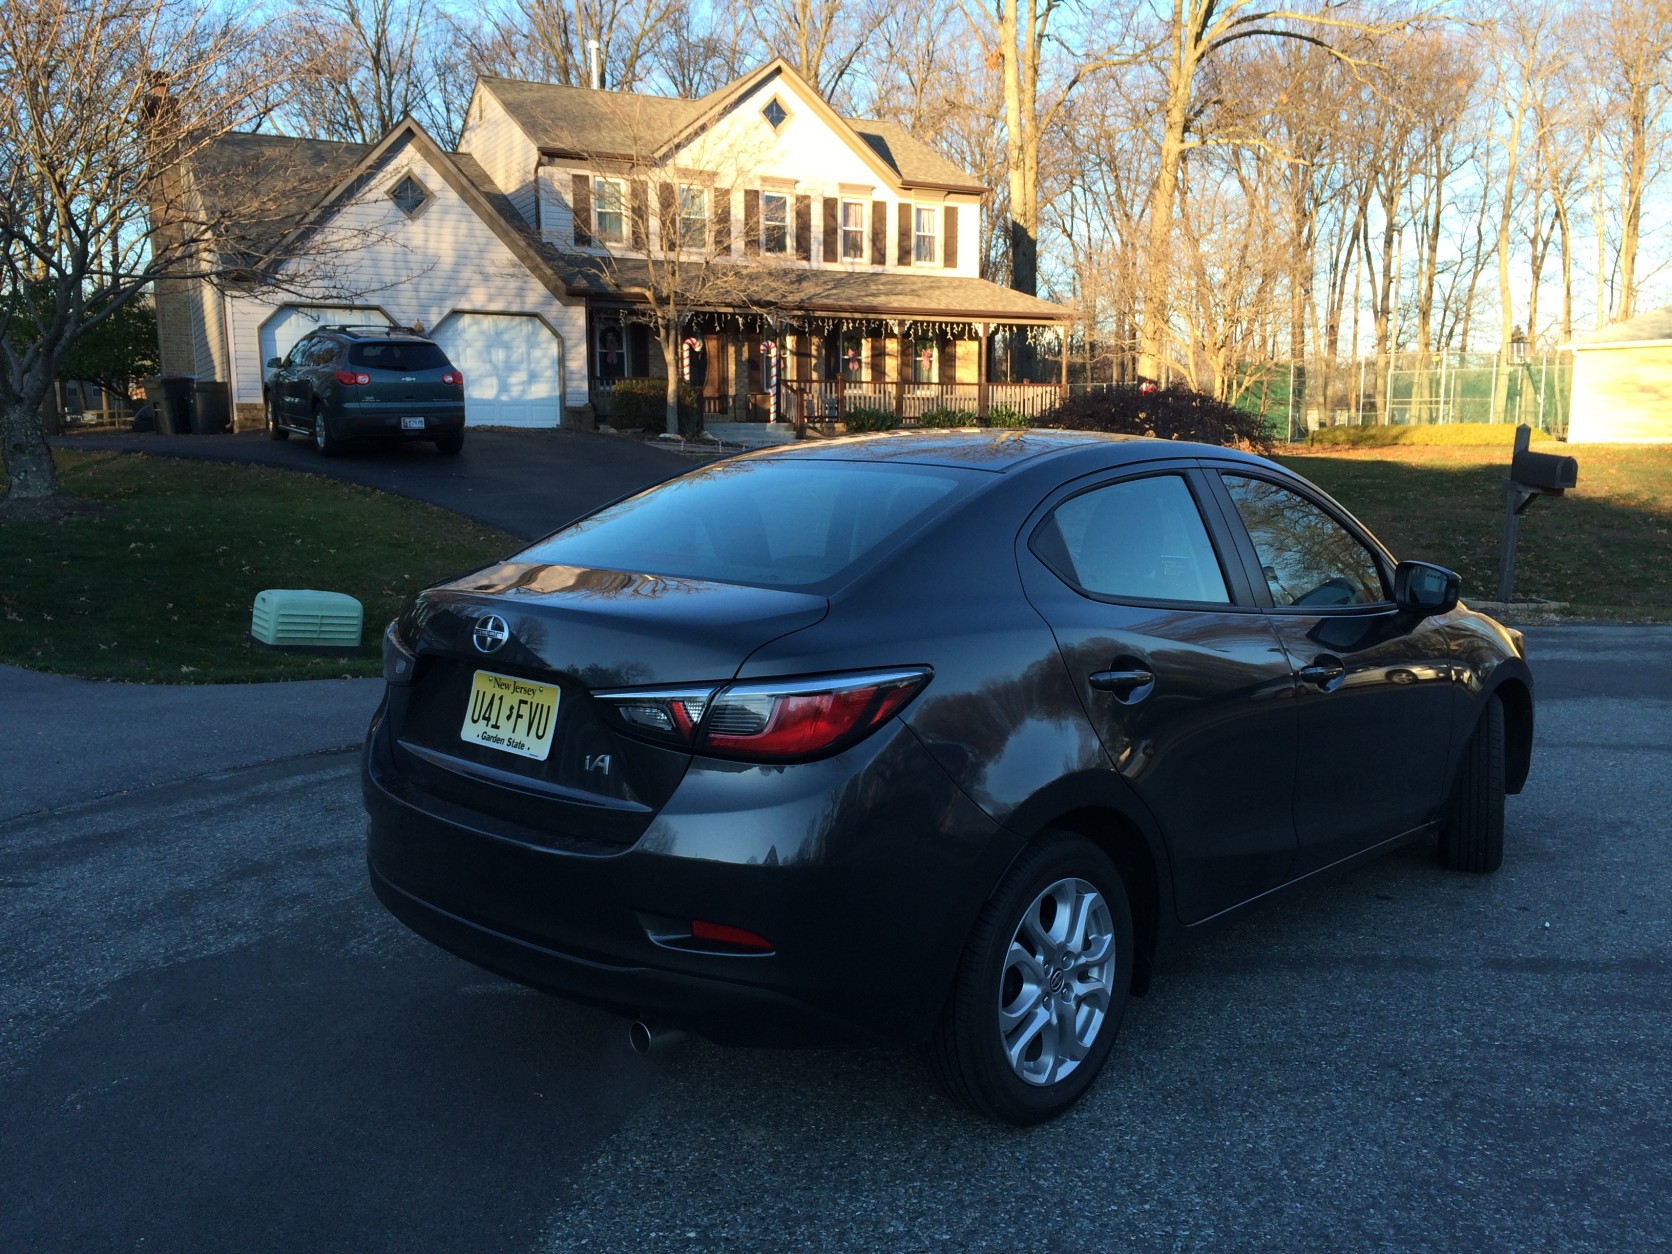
<point>523,482</point>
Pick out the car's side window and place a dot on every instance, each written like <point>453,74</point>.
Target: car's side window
<point>1308,558</point>
<point>1139,540</point>
<point>323,354</point>
<point>299,352</point>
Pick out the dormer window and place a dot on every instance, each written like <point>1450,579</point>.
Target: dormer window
<point>409,195</point>
<point>774,113</point>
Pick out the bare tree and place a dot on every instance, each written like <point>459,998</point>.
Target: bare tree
<point>354,68</point>
<point>1632,64</point>
<point>821,38</point>
<point>1195,34</point>
<point>547,40</point>
<point>106,103</point>
<point>1016,35</point>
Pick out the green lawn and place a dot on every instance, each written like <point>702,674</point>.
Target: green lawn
<point>1605,548</point>
<point>158,585</point>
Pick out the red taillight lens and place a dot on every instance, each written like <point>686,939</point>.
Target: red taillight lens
<point>777,720</point>
<point>353,378</point>
<point>722,934</point>
<point>452,377</point>
<point>772,720</point>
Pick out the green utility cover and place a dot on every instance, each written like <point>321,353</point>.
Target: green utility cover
<point>302,618</point>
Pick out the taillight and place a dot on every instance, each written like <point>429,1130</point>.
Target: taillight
<point>452,377</point>
<point>353,378</point>
<point>772,720</point>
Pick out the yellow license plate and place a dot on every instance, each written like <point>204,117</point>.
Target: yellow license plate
<point>516,715</point>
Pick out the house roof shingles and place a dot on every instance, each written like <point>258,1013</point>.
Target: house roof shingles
<point>861,293</point>
<point>579,120</point>
<point>256,189</point>
<point>1651,327</point>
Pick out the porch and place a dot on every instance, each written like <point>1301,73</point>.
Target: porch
<point>818,370</point>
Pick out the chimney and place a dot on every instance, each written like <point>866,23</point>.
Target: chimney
<point>595,66</point>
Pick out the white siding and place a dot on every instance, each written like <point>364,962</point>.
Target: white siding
<point>502,149</point>
<point>418,271</point>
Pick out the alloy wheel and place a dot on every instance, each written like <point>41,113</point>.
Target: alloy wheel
<point>1057,981</point>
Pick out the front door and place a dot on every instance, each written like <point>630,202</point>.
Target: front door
<point>716,380</point>
<point>1180,674</point>
<point>1375,684</point>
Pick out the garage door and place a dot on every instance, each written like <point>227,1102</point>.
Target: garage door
<point>280,332</point>
<point>513,369</point>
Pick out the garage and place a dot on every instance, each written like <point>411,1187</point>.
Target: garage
<point>513,368</point>
<point>280,332</point>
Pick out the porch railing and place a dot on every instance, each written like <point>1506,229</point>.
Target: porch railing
<point>826,401</point>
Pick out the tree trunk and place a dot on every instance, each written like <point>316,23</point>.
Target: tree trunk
<point>668,337</point>
<point>29,469</point>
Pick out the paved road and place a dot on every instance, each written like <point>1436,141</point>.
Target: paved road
<point>524,482</point>
<point>215,1039</point>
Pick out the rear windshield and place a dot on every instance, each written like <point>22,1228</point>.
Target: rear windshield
<point>397,355</point>
<point>781,523</point>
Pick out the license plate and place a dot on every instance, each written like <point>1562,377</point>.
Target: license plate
<point>412,424</point>
<point>514,715</point>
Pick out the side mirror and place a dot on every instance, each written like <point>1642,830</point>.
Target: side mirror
<point>1424,588</point>
<point>273,363</point>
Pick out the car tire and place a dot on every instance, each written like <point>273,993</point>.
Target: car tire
<point>326,444</point>
<point>449,445</point>
<point>274,430</point>
<point>1052,946</point>
<point>1472,834</point>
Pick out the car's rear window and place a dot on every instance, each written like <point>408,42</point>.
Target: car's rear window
<point>771,522</point>
<point>397,355</point>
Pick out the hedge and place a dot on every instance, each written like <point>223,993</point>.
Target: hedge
<point>1451,434</point>
<point>642,404</point>
<point>1170,413</point>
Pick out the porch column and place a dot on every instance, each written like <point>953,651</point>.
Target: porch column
<point>1064,394</point>
<point>981,386</point>
<point>900,374</point>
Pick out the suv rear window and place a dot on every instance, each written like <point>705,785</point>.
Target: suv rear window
<point>397,355</point>
<point>777,523</point>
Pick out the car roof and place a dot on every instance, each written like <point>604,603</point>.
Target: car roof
<point>996,451</point>
<point>376,333</point>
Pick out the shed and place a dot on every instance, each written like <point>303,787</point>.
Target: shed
<point>1622,382</point>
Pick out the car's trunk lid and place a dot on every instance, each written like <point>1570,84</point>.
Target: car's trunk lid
<point>576,631</point>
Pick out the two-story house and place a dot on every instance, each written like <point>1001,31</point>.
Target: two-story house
<point>836,257</point>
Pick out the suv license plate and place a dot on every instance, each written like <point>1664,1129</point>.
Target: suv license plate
<point>412,424</point>
<point>514,715</point>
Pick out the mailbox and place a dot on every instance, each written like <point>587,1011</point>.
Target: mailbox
<point>1531,475</point>
<point>1545,471</point>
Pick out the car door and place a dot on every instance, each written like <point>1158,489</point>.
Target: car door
<point>1179,672</point>
<point>1375,685</point>
<point>288,380</point>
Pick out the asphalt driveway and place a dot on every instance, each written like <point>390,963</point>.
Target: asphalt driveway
<point>216,1039</point>
<point>523,482</point>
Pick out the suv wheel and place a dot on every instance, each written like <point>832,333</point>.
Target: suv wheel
<point>327,444</point>
<point>274,430</point>
<point>449,445</point>
<point>1473,836</point>
<point>1042,987</point>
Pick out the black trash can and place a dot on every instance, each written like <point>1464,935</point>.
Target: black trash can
<point>171,400</point>
<point>211,408</point>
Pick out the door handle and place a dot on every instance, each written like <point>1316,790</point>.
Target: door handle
<point>1324,673</point>
<point>1128,685</point>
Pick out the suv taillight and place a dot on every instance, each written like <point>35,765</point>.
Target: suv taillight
<point>771,720</point>
<point>353,378</point>
<point>452,377</point>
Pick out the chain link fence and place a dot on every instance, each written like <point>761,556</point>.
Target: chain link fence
<point>1298,397</point>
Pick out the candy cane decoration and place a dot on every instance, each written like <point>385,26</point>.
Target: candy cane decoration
<point>769,350</point>
<point>690,345</point>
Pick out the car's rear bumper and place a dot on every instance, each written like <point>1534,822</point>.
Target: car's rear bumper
<point>389,421</point>
<point>867,911</point>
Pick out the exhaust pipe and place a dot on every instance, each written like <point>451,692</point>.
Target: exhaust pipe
<point>643,1037</point>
